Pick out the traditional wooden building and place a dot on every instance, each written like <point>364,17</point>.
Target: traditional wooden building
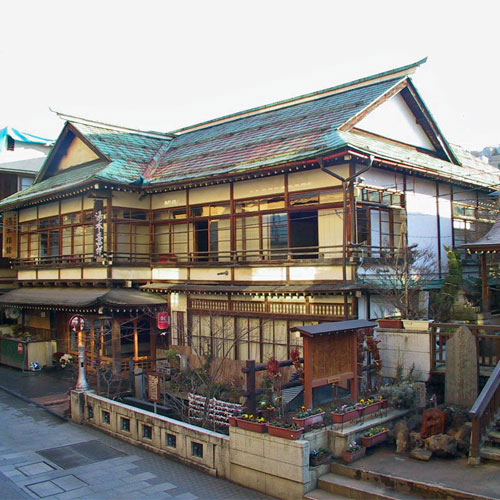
<point>247,225</point>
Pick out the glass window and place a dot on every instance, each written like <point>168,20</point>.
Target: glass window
<point>275,231</point>
<point>298,199</point>
<point>26,182</point>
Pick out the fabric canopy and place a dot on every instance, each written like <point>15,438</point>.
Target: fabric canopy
<point>20,137</point>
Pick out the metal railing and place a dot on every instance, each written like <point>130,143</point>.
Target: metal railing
<point>484,412</point>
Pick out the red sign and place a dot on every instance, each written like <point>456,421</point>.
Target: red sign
<point>162,320</point>
<point>20,348</point>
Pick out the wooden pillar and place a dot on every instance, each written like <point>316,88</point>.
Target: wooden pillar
<point>355,380</point>
<point>484,280</point>
<point>116,347</point>
<point>136,340</point>
<point>251,400</point>
<point>308,373</point>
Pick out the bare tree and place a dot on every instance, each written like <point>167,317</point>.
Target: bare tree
<point>401,277</point>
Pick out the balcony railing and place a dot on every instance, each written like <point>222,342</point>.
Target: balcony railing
<point>330,254</point>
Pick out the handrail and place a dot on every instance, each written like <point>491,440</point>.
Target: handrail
<point>483,413</point>
<point>487,394</point>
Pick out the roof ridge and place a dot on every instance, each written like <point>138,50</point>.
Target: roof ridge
<point>385,75</point>
<point>109,126</point>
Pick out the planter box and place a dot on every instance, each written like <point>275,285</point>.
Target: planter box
<point>319,459</point>
<point>384,403</point>
<point>351,456</point>
<point>283,432</point>
<point>375,439</point>
<point>369,409</point>
<point>311,420</point>
<point>390,323</point>
<point>233,421</point>
<point>340,418</point>
<point>416,324</point>
<point>248,425</point>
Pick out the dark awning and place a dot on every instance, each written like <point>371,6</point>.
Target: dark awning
<point>330,288</point>
<point>79,298</point>
<point>334,327</point>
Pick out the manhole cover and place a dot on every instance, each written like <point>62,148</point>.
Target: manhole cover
<point>75,455</point>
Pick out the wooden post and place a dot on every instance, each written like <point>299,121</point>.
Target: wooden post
<point>116,347</point>
<point>484,280</point>
<point>308,373</point>
<point>136,340</point>
<point>251,400</point>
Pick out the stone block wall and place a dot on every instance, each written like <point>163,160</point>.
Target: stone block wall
<point>205,449</point>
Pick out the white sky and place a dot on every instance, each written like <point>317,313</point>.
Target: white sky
<point>161,65</point>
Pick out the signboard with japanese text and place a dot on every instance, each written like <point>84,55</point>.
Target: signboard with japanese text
<point>163,366</point>
<point>154,393</point>
<point>98,229</point>
<point>9,249</point>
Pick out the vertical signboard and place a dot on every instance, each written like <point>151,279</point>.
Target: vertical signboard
<point>154,393</point>
<point>9,249</point>
<point>98,228</point>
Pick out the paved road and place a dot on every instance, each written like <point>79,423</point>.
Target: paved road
<point>42,456</point>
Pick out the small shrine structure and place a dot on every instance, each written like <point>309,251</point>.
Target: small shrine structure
<point>331,355</point>
<point>486,246</point>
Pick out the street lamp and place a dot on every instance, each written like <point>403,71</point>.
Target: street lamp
<point>77,325</point>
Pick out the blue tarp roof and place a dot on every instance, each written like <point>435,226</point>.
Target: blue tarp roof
<point>20,137</point>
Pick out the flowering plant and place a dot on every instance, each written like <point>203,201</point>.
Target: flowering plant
<point>320,452</point>
<point>374,430</point>
<point>353,446</point>
<point>284,425</point>
<point>307,412</point>
<point>62,359</point>
<point>344,409</point>
<point>366,401</point>
<point>252,418</point>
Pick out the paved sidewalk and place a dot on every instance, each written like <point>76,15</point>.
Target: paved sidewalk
<point>46,457</point>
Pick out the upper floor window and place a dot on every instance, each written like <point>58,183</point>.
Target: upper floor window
<point>11,143</point>
<point>26,182</point>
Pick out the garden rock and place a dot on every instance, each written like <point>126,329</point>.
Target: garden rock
<point>463,437</point>
<point>402,436</point>
<point>421,454</point>
<point>416,440</point>
<point>442,445</point>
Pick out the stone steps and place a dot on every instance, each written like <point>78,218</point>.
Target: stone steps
<point>490,453</point>
<point>494,436</point>
<point>346,481</point>
<point>353,488</point>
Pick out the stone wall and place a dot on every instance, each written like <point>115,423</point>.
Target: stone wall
<point>406,348</point>
<point>205,449</point>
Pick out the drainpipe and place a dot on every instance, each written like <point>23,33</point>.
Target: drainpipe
<point>345,185</point>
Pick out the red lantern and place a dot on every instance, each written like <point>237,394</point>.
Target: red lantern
<point>162,320</point>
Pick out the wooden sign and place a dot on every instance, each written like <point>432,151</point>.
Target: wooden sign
<point>163,366</point>
<point>154,387</point>
<point>9,235</point>
<point>98,228</point>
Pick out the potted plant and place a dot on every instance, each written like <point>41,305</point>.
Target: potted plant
<point>285,430</point>
<point>367,406</point>
<point>318,457</point>
<point>353,452</point>
<point>374,436</point>
<point>307,416</point>
<point>251,422</point>
<point>345,413</point>
<point>390,323</point>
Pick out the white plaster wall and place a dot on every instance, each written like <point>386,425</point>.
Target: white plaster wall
<point>168,200</point>
<point>421,209</point>
<point>445,222</point>
<point>374,177</point>
<point>395,120</point>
